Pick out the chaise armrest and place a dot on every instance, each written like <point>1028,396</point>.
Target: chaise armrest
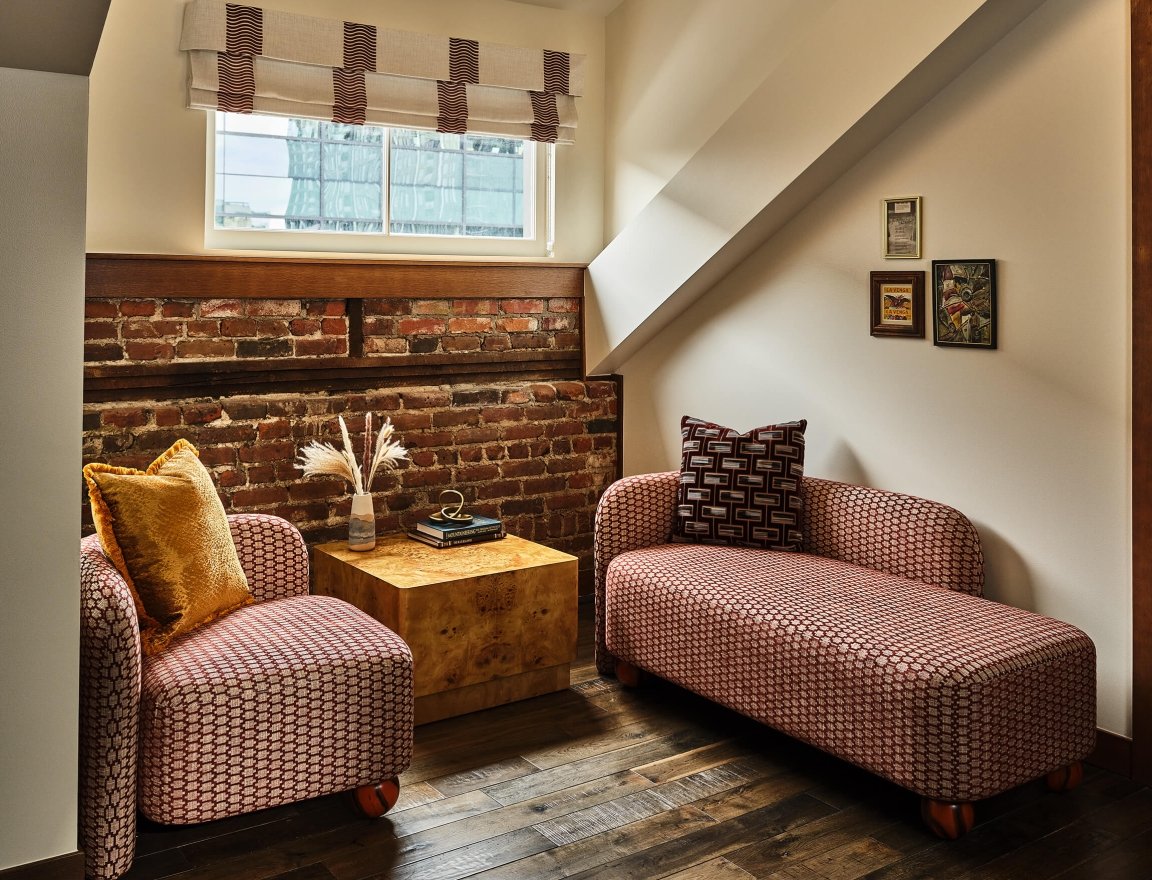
<point>633,513</point>
<point>272,553</point>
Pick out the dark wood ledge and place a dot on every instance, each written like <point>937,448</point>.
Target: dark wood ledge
<point>175,379</point>
<point>217,277</point>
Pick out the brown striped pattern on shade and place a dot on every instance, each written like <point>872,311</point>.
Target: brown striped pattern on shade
<point>359,46</point>
<point>350,96</point>
<point>545,119</point>
<point>452,116</point>
<point>237,83</point>
<point>245,30</point>
<point>557,72</point>
<point>463,60</point>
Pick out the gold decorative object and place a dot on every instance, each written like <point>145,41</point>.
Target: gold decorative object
<point>447,513</point>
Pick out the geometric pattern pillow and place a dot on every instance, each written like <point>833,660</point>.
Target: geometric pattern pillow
<point>741,489</point>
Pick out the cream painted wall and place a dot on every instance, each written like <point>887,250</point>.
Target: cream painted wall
<point>1022,159</point>
<point>147,152</point>
<point>42,290</point>
<point>678,69</point>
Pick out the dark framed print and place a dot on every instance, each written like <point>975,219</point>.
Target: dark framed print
<point>901,223</point>
<point>897,304</point>
<point>964,303</point>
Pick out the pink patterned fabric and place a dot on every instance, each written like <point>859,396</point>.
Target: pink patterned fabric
<point>291,698</point>
<point>322,688</point>
<point>952,696</point>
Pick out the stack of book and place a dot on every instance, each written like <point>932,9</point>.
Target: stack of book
<point>444,533</point>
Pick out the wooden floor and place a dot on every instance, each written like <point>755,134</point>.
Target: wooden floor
<point>597,782</point>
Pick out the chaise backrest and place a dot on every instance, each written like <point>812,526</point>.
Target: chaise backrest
<point>887,531</point>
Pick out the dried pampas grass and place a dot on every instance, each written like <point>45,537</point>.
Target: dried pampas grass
<point>324,459</point>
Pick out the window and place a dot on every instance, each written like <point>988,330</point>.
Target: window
<point>291,176</point>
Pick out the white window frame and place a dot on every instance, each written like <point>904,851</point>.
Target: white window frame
<point>539,214</point>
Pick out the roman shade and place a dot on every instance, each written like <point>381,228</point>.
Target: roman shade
<point>244,59</point>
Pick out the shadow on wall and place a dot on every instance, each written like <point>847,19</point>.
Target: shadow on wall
<point>1006,575</point>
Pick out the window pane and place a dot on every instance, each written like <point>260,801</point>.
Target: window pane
<point>345,162</point>
<point>351,201</point>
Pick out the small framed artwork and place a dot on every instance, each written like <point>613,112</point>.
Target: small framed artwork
<point>964,303</point>
<point>901,221</point>
<point>898,304</point>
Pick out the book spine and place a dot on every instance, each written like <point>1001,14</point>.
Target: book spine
<point>455,541</point>
<point>439,534</point>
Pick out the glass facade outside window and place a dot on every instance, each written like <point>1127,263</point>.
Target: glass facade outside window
<point>277,173</point>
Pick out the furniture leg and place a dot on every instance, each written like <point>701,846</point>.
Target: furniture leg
<point>629,675</point>
<point>1066,778</point>
<point>947,819</point>
<point>376,800</point>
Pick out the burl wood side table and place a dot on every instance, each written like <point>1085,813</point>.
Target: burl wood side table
<point>487,623</point>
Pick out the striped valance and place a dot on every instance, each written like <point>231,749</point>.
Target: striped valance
<point>244,59</point>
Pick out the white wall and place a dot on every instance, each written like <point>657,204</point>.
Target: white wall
<point>147,152</point>
<point>1024,158</point>
<point>42,169</point>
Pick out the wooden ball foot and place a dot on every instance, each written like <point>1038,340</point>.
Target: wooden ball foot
<point>629,675</point>
<point>376,800</point>
<point>1066,778</point>
<point>946,819</point>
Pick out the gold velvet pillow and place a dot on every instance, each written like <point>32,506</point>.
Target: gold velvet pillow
<point>165,530</point>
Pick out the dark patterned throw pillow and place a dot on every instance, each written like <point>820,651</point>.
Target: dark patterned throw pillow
<point>740,488</point>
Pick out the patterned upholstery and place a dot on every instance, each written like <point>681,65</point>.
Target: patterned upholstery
<point>952,696</point>
<point>291,698</point>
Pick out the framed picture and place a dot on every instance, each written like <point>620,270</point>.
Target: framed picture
<point>964,303</point>
<point>901,223</point>
<point>897,304</point>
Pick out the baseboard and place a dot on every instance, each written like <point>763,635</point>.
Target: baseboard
<point>66,867</point>
<point>1113,752</point>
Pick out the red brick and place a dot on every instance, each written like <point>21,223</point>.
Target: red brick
<point>304,327</point>
<point>201,414</point>
<point>150,329</point>
<point>124,418</point>
<point>563,322</point>
<point>532,467</point>
<point>206,348</point>
<point>411,421</point>
<point>470,325</point>
<point>148,351</point>
<point>421,326</point>
<point>523,431</point>
<point>99,330</point>
<point>544,412</point>
<point>325,308</point>
<point>582,444</point>
<point>387,307</point>
<point>171,309</point>
<point>601,389</point>
<point>100,308</point>
<point>261,474</point>
<point>498,489</point>
<point>274,430</point>
<point>166,416</point>
<point>461,343</point>
<point>522,306</point>
<point>379,326</point>
<point>569,390</point>
<point>281,451</point>
<point>581,480</point>
<point>221,308</point>
<point>432,307</point>
<point>517,396</point>
<point>383,400</point>
<point>564,429</point>
<point>280,308</point>
<point>474,307</point>
<point>209,329</point>
<point>228,478</point>
<point>455,417</point>
<point>564,304</point>
<point>217,456</point>
<point>516,506</point>
<point>321,346</point>
<point>317,490</point>
<point>544,485</point>
<point>136,308</point>
<point>543,393</point>
<point>566,340</point>
<point>429,439</point>
<point>259,497</point>
<point>469,454</point>
<point>517,325</point>
<point>245,327</point>
<point>567,501</point>
<point>334,326</point>
<point>385,346</point>
<point>477,435</point>
<point>425,399</point>
<point>480,473</point>
<point>422,457</point>
<point>103,351</point>
<point>567,465</point>
<point>497,343</point>
<point>502,414</point>
<point>531,340</point>
<point>268,327</point>
<point>413,477</point>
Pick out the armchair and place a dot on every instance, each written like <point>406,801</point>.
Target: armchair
<point>292,697</point>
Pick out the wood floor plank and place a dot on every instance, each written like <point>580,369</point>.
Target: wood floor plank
<point>713,869</point>
<point>415,795</point>
<point>599,743</point>
<point>852,860</point>
<point>469,860</point>
<point>1131,859</point>
<point>694,760</point>
<point>479,777</point>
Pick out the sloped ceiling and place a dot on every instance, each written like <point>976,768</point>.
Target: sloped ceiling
<point>57,36</point>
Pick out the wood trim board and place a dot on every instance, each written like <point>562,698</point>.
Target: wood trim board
<point>69,866</point>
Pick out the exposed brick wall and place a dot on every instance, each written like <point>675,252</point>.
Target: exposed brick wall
<point>538,454</point>
<point>118,331</point>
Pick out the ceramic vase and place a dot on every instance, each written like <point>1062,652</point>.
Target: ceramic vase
<point>362,523</point>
